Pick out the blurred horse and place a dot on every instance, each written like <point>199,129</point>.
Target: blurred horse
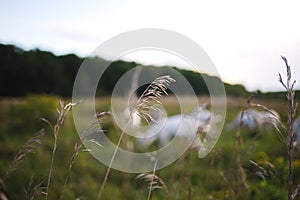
<point>255,119</point>
<point>247,121</point>
<point>185,126</point>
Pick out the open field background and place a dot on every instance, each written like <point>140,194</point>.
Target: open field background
<point>214,177</point>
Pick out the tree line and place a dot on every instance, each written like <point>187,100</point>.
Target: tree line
<point>41,72</point>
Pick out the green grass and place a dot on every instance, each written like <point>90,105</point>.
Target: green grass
<point>19,120</point>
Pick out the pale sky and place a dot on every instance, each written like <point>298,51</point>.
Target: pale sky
<point>245,39</point>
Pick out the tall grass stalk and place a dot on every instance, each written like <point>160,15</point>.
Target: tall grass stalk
<point>110,165</point>
<point>288,129</point>
<point>153,93</point>
<point>32,191</point>
<point>154,182</point>
<point>62,112</point>
<point>90,130</point>
<point>292,106</point>
<point>27,149</point>
<point>18,159</point>
<point>241,179</point>
<point>189,185</point>
<point>273,119</point>
<point>77,147</point>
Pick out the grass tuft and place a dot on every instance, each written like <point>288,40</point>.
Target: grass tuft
<point>27,149</point>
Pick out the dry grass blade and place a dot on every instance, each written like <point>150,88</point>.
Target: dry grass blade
<point>48,123</point>
<point>100,115</point>
<point>77,147</point>
<point>272,119</point>
<point>33,191</point>
<point>240,170</point>
<point>154,182</point>
<point>241,177</point>
<point>265,170</point>
<point>189,184</point>
<point>94,128</point>
<point>90,130</point>
<point>62,112</point>
<point>26,150</point>
<point>152,94</point>
<point>296,193</point>
<point>289,87</point>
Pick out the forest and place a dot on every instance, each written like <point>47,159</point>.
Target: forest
<point>40,72</point>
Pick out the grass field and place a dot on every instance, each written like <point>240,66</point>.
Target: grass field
<point>214,177</point>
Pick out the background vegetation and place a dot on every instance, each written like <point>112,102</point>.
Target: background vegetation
<point>31,84</point>
<point>214,177</point>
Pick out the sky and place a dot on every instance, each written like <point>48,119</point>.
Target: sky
<point>244,39</point>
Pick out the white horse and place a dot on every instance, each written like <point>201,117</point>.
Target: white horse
<point>248,120</point>
<point>184,126</point>
<point>255,119</point>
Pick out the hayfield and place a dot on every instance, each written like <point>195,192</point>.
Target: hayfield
<point>213,177</point>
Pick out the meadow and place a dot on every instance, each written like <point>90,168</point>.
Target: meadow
<point>263,158</point>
